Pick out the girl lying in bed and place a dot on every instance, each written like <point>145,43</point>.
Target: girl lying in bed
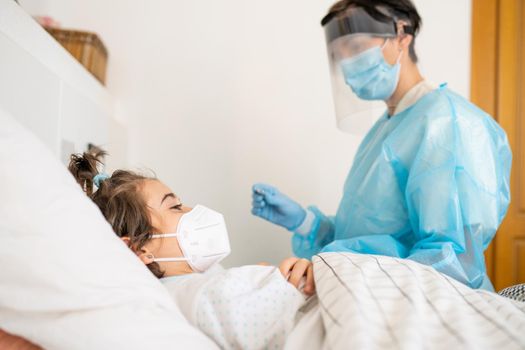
<point>245,307</point>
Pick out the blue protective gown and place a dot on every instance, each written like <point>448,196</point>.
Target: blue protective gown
<point>430,184</point>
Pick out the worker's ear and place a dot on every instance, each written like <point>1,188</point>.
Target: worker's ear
<point>144,254</point>
<point>404,40</point>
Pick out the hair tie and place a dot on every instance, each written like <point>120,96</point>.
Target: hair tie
<point>99,178</point>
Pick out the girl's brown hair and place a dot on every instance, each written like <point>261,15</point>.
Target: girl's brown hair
<point>118,198</point>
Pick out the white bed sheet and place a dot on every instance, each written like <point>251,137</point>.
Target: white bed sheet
<point>375,302</point>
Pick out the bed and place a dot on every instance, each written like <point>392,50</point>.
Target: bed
<point>69,283</point>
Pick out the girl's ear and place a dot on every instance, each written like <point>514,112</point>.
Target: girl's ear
<point>144,254</point>
<point>126,240</point>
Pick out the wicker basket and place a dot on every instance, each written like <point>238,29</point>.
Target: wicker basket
<point>86,47</point>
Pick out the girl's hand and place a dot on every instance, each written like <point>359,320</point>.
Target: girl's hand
<point>295,269</point>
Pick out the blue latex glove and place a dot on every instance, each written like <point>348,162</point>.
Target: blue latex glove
<point>270,204</point>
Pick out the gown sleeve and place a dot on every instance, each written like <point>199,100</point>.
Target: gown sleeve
<point>457,194</point>
<point>321,233</point>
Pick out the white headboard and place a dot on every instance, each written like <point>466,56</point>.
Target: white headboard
<point>45,88</point>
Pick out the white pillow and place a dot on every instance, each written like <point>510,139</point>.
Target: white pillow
<point>66,281</point>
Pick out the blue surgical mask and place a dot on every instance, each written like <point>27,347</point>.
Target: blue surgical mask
<point>369,76</point>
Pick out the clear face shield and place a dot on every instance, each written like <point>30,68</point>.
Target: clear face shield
<point>351,38</point>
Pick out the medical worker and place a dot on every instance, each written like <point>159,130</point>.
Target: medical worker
<point>429,182</point>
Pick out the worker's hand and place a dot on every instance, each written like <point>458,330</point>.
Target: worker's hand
<point>298,271</point>
<point>270,204</point>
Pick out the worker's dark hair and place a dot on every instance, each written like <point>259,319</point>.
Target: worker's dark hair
<point>401,9</point>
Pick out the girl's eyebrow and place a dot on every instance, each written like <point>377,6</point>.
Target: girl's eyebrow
<point>166,196</point>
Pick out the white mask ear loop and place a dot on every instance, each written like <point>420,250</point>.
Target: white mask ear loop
<point>400,52</point>
<point>399,57</point>
<point>167,235</point>
<point>168,259</point>
<point>384,44</point>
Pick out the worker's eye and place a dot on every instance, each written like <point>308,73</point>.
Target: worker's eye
<point>177,207</point>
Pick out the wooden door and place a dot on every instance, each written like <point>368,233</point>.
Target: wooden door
<point>498,86</point>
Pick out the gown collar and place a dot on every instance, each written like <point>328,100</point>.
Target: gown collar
<point>413,95</point>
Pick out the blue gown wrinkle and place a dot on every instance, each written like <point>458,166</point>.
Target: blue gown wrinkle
<point>429,184</point>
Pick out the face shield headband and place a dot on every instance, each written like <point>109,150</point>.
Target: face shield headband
<point>356,21</point>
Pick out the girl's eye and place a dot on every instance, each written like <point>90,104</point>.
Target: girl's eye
<point>178,206</point>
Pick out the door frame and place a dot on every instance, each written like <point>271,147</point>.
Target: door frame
<point>484,75</point>
<point>498,31</point>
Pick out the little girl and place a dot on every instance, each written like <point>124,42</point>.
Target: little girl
<point>248,307</point>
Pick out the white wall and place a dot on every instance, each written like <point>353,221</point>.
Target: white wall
<point>217,95</point>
